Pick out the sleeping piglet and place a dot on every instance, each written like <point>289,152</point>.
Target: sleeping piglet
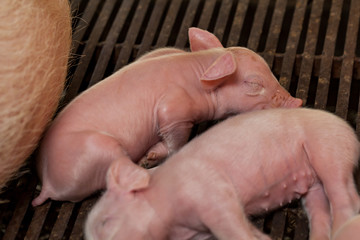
<point>148,108</point>
<point>246,165</point>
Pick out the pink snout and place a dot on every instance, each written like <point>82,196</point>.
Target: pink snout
<point>285,100</point>
<point>292,102</point>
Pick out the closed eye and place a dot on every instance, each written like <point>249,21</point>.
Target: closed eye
<point>254,88</point>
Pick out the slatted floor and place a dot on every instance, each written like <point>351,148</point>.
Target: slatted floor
<point>312,46</point>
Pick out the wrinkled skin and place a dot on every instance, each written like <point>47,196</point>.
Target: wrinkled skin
<point>35,39</point>
<point>148,108</point>
<point>247,165</point>
<point>350,230</point>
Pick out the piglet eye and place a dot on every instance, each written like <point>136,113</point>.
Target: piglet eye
<point>253,84</point>
<point>105,221</point>
<point>253,88</point>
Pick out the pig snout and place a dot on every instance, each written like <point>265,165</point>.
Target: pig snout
<point>282,98</point>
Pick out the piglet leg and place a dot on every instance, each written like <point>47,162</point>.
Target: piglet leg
<point>94,153</point>
<point>318,210</point>
<point>174,125</point>
<point>343,199</point>
<point>157,152</point>
<point>229,221</point>
<point>234,225</point>
<point>337,180</point>
<point>154,155</point>
<point>173,139</point>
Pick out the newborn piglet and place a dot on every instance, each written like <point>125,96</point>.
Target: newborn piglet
<point>246,165</point>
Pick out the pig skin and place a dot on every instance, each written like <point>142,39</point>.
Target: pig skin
<point>247,165</point>
<point>35,39</point>
<point>127,117</point>
<point>350,230</point>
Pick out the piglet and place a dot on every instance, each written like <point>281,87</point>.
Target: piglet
<point>148,108</point>
<point>246,165</point>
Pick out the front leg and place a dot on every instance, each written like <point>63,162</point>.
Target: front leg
<point>223,214</point>
<point>157,152</point>
<point>173,137</point>
<point>231,222</point>
<point>154,155</point>
<point>175,118</point>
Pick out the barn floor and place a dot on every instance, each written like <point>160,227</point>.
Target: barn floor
<point>312,46</point>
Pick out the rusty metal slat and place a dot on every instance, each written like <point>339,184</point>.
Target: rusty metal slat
<point>259,223</point>
<point>62,221</point>
<point>86,205</point>
<point>358,134</point>
<point>222,19</point>
<point>257,27</point>
<point>275,29</point>
<point>110,42</point>
<point>152,26</point>
<point>237,23</point>
<point>182,36</point>
<point>348,60</point>
<point>38,221</point>
<point>206,14</point>
<point>309,50</point>
<point>89,50</point>
<point>278,224</point>
<point>328,54</point>
<point>132,34</point>
<point>302,226</point>
<point>83,23</point>
<point>292,44</point>
<point>20,210</point>
<point>168,23</point>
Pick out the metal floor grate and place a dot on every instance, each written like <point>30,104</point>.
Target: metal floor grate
<point>312,46</point>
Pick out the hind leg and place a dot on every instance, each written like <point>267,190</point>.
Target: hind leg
<point>340,189</point>
<point>334,162</point>
<point>317,208</point>
<point>344,199</point>
<point>75,166</point>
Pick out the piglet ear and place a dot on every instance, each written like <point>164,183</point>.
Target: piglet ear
<point>125,176</point>
<point>202,40</point>
<point>218,72</point>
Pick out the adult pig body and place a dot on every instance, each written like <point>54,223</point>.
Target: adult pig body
<point>149,107</point>
<point>35,39</point>
<point>246,165</point>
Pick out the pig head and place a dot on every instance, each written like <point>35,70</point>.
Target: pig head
<point>148,109</point>
<point>243,69</point>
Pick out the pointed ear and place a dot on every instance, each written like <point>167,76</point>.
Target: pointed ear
<point>202,40</point>
<point>218,72</point>
<point>126,176</point>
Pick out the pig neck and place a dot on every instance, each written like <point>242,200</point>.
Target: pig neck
<point>162,199</point>
<point>216,104</point>
<point>161,221</point>
<point>206,106</point>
